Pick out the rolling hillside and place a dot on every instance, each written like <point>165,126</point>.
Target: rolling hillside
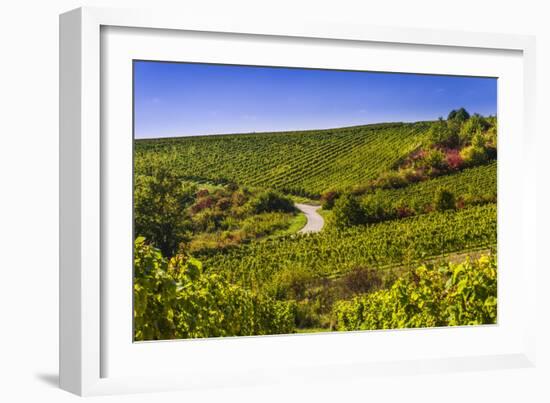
<point>303,163</point>
<point>405,209</point>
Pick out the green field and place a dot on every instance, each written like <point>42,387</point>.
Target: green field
<point>405,207</point>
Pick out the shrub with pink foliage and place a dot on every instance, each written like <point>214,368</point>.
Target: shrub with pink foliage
<point>454,160</point>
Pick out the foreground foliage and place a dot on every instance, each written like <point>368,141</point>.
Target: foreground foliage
<point>176,299</point>
<point>449,295</point>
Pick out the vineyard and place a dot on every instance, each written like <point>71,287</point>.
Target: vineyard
<point>448,295</point>
<point>381,245</point>
<point>408,239</point>
<point>477,185</point>
<point>303,163</point>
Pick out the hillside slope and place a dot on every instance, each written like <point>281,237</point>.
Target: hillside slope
<point>304,163</point>
<point>387,243</point>
<point>478,183</point>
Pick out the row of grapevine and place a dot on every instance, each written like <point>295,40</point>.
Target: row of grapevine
<point>446,295</point>
<point>336,251</point>
<point>300,162</point>
<point>175,299</point>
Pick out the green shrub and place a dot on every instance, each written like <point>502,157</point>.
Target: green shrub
<point>375,209</point>
<point>224,203</point>
<point>239,198</point>
<point>491,143</point>
<point>473,155</point>
<point>328,199</point>
<point>391,180</point>
<point>272,201</point>
<point>347,212</point>
<point>444,134</point>
<point>307,316</point>
<point>412,175</point>
<point>207,220</point>
<point>444,200</point>
<point>362,280</point>
<point>291,283</point>
<point>470,127</point>
<point>478,140</point>
<point>435,158</point>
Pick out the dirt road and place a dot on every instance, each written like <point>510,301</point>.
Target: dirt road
<point>314,222</point>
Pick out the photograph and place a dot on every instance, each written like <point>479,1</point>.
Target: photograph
<point>285,200</point>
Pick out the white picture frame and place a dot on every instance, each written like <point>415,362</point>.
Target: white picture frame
<point>93,348</point>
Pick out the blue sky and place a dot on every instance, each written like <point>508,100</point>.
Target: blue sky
<point>184,99</point>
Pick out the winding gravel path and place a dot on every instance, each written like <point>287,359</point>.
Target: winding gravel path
<point>314,222</point>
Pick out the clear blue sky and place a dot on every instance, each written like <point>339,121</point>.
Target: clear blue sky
<point>184,99</point>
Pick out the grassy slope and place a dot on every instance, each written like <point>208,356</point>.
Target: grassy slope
<point>306,162</point>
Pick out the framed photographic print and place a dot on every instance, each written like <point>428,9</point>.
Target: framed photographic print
<point>237,198</point>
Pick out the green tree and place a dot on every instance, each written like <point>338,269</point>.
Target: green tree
<point>160,202</point>
<point>460,115</point>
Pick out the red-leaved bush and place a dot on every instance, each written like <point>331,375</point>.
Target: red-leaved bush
<point>404,211</point>
<point>202,193</point>
<point>453,158</point>
<point>201,204</point>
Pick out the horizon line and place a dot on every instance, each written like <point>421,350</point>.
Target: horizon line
<point>290,130</point>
